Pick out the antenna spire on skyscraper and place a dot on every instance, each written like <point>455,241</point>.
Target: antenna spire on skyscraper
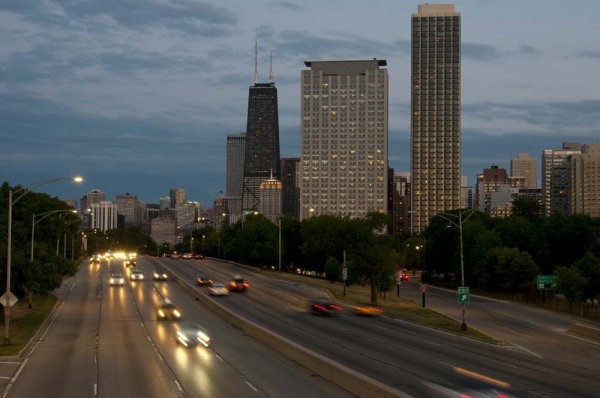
<point>256,57</point>
<point>271,70</point>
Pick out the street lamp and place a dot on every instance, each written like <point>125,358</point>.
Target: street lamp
<point>279,220</point>
<point>22,192</point>
<point>44,215</point>
<point>461,220</point>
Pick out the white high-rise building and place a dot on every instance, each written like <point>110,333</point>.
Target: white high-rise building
<point>104,215</point>
<point>344,138</point>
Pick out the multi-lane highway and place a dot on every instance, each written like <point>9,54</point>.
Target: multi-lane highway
<point>106,341</point>
<point>410,358</point>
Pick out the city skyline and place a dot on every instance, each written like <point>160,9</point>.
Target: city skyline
<point>142,101</point>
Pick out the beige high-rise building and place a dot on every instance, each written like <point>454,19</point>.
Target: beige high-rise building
<point>525,166</point>
<point>344,138</point>
<point>585,181</point>
<point>435,112</point>
<point>270,199</point>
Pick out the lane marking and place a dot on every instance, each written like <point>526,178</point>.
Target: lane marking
<point>251,386</point>
<point>95,389</point>
<point>528,351</point>
<point>178,386</point>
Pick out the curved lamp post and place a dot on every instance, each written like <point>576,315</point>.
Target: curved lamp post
<point>20,192</point>
<point>44,215</point>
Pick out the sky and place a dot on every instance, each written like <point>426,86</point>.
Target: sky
<point>138,96</point>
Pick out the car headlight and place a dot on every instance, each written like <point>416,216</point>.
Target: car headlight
<point>161,313</point>
<point>176,313</point>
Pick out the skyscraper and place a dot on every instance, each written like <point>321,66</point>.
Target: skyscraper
<point>236,147</point>
<point>556,178</point>
<point>177,196</point>
<point>585,181</point>
<point>270,199</point>
<point>344,138</point>
<point>262,140</point>
<point>525,166</point>
<point>435,112</point>
<point>290,190</point>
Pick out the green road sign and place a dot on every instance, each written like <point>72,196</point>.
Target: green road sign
<point>546,281</point>
<point>463,295</point>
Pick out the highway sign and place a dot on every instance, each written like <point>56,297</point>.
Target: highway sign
<point>345,274</point>
<point>546,281</point>
<point>7,295</point>
<point>463,295</point>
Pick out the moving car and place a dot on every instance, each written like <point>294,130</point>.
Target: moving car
<point>404,276</point>
<point>136,275</point>
<point>190,335</point>
<point>167,310</point>
<point>159,275</point>
<point>198,256</point>
<point>319,307</point>
<point>367,311</point>
<point>203,280</point>
<point>238,284</point>
<point>129,263</point>
<point>218,289</point>
<point>116,280</point>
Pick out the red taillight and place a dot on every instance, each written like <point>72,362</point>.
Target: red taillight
<point>336,307</point>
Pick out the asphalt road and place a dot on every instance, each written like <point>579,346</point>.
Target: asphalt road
<point>105,341</point>
<point>417,360</point>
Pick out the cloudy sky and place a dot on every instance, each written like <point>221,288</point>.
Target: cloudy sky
<point>138,95</point>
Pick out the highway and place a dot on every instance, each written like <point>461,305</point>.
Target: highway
<point>408,357</point>
<point>105,341</point>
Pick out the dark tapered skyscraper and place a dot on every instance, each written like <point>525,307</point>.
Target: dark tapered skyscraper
<point>262,142</point>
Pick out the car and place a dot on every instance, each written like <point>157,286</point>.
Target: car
<point>129,263</point>
<point>175,256</point>
<point>117,279</point>
<point>167,310</point>
<point>367,311</point>
<point>159,275</point>
<point>203,280</point>
<point>136,275</point>
<point>238,284</point>
<point>404,276</point>
<point>218,289</point>
<point>198,256</point>
<point>320,307</point>
<point>190,335</point>
<point>187,256</point>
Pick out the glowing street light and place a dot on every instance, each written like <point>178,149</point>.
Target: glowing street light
<point>21,192</point>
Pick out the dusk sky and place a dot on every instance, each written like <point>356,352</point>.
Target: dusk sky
<point>138,96</point>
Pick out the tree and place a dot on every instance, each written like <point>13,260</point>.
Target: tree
<point>571,283</point>
<point>527,208</point>
<point>513,270</point>
<point>589,266</point>
<point>332,269</point>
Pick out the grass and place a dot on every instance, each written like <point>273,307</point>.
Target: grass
<point>397,307</point>
<point>25,322</point>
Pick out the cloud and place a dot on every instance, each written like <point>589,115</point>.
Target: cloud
<point>289,5</point>
<point>529,50</point>
<point>479,52</point>
<point>594,54</point>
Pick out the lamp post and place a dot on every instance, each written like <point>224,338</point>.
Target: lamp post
<point>22,192</point>
<point>279,221</point>
<point>461,220</point>
<point>43,215</point>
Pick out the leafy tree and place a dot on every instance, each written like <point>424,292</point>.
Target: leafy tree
<point>569,237</point>
<point>528,209</point>
<point>512,270</point>
<point>571,283</point>
<point>589,266</point>
<point>332,269</point>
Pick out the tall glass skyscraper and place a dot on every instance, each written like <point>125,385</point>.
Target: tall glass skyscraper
<point>435,112</point>
<point>262,143</point>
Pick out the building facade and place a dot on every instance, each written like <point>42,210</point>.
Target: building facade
<point>129,206</point>
<point>435,112</point>
<point>262,142</point>
<point>290,188</point>
<point>344,138</point>
<point>234,185</point>
<point>584,178</point>
<point>104,215</point>
<point>177,197</point>
<point>270,199</point>
<point>556,178</point>
<point>525,166</point>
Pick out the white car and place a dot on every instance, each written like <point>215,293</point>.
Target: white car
<point>137,275</point>
<point>192,334</point>
<point>218,289</point>
<point>117,280</point>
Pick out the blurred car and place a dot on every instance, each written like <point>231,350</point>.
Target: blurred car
<point>198,256</point>
<point>203,280</point>
<point>159,275</point>
<point>218,289</point>
<point>319,307</point>
<point>404,276</point>
<point>367,311</point>
<point>175,256</point>
<point>190,335</point>
<point>116,280</point>
<point>136,275</point>
<point>238,284</point>
<point>167,310</point>
<point>187,256</point>
<point>129,263</point>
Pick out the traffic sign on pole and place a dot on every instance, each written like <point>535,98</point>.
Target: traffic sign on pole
<point>8,295</point>
<point>463,295</point>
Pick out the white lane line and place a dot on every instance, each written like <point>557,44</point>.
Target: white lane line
<point>95,389</point>
<point>252,387</point>
<point>581,338</point>
<point>528,351</point>
<point>178,386</point>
